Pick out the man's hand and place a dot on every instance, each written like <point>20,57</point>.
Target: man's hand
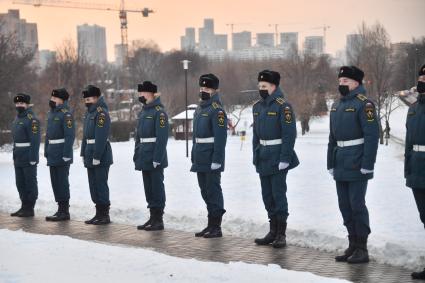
<point>96,162</point>
<point>283,165</point>
<point>66,159</point>
<point>156,164</point>
<point>365,171</point>
<point>33,162</point>
<point>331,171</point>
<point>215,166</point>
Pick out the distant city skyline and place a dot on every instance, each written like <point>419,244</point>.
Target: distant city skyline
<point>402,19</point>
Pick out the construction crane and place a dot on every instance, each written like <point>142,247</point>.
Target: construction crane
<point>122,13</point>
<point>231,25</point>
<point>276,30</point>
<point>325,29</point>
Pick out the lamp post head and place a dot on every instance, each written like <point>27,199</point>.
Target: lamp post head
<point>185,64</point>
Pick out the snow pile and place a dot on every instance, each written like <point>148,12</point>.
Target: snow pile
<point>62,259</point>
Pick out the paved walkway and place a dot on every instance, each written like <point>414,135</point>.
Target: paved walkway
<point>185,245</point>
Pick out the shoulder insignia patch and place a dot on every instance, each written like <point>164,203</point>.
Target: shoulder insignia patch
<point>64,110</point>
<point>101,120</point>
<point>34,126</point>
<point>361,97</point>
<point>162,120</point>
<point>280,100</point>
<point>287,114</point>
<point>370,111</point>
<point>220,118</point>
<point>215,105</point>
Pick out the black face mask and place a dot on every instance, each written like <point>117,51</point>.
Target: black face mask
<point>52,104</point>
<point>204,95</point>
<point>88,104</point>
<point>263,93</point>
<point>142,99</point>
<point>20,109</point>
<point>343,90</point>
<point>420,87</point>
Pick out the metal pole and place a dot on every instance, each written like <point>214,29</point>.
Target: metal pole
<point>186,120</point>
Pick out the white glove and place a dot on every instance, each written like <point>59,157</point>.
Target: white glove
<point>156,164</point>
<point>66,159</point>
<point>96,162</point>
<point>331,171</point>
<point>82,158</point>
<point>283,165</point>
<point>366,171</point>
<point>215,166</point>
<point>33,162</point>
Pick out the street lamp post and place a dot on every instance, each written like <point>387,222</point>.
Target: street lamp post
<point>186,132</point>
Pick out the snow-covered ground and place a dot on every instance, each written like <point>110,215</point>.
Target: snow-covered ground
<point>28,257</point>
<point>315,221</point>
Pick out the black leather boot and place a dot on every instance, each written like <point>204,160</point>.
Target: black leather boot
<point>419,275</point>
<point>280,240</point>
<point>271,235</point>
<point>94,217</point>
<point>349,251</point>
<point>205,230</point>
<point>62,214</point>
<point>157,222</point>
<point>27,209</point>
<point>361,254</point>
<point>18,212</point>
<point>215,230</point>
<point>147,223</point>
<point>103,217</point>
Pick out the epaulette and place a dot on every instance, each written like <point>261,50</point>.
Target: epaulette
<point>64,110</point>
<point>280,100</point>
<point>99,109</point>
<point>257,101</point>
<point>361,97</point>
<point>215,105</point>
<point>29,115</point>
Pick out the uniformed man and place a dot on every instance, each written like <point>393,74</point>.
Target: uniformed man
<point>58,150</point>
<point>414,166</point>
<point>209,142</point>
<point>274,134</point>
<point>26,138</point>
<point>97,152</point>
<point>352,148</point>
<point>150,153</point>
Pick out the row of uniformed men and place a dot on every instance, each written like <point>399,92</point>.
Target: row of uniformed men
<point>352,149</point>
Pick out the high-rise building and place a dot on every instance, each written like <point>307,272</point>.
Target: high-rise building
<point>313,45</point>
<point>241,40</point>
<point>26,33</point>
<point>220,42</point>
<point>265,40</point>
<point>353,47</point>
<point>92,43</point>
<point>187,41</point>
<point>289,43</point>
<point>120,54</point>
<point>46,57</point>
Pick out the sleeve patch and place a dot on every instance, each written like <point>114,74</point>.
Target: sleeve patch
<point>68,121</point>
<point>101,120</point>
<point>34,126</point>
<point>162,120</point>
<point>220,117</point>
<point>287,114</point>
<point>370,112</point>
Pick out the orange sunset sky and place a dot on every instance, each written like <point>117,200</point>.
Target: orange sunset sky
<point>403,19</point>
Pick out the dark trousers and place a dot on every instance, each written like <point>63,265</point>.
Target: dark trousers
<point>26,182</point>
<point>98,183</point>
<point>60,182</point>
<point>420,202</point>
<point>153,182</point>
<point>352,204</point>
<point>273,190</point>
<point>211,192</point>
